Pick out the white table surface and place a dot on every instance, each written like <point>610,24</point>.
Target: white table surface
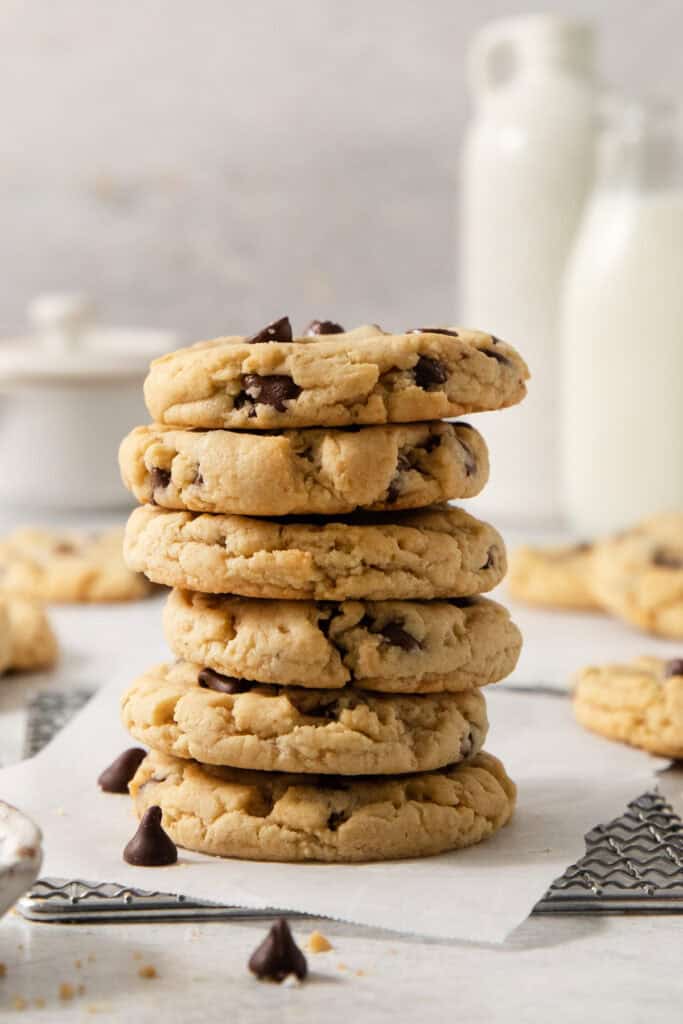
<point>617,969</point>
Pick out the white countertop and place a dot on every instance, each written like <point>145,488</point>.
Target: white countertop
<point>621,969</point>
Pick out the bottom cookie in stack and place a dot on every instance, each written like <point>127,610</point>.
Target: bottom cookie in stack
<point>255,815</point>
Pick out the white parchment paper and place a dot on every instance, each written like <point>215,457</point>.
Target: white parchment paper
<point>568,782</point>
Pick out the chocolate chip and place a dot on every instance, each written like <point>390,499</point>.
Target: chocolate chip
<point>432,443</point>
<point>273,390</point>
<point>150,847</point>
<point>665,559</point>
<point>241,400</point>
<point>278,330</point>
<point>498,356</point>
<point>429,373</point>
<point>198,478</point>
<point>116,777</point>
<point>470,461</point>
<point>673,668</point>
<point>466,744</point>
<point>322,327</point>
<point>490,558</point>
<point>64,547</point>
<point>159,478</point>
<point>278,955</point>
<point>434,330</point>
<point>336,819</point>
<point>395,634</point>
<point>210,680</point>
<point>394,488</point>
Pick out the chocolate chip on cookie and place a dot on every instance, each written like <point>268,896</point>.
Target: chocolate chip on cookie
<point>278,956</point>
<point>317,327</point>
<point>434,330</point>
<point>210,680</point>
<point>498,356</point>
<point>151,846</point>
<point>395,634</point>
<point>336,819</point>
<point>429,373</point>
<point>278,330</point>
<point>159,478</point>
<point>673,668</point>
<point>664,558</point>
<point>274,389</point>
<point>116,777</point>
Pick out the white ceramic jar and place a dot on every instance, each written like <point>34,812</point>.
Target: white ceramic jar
<point>527,167</point>
<point>623,329</point>
<point>68,395</point>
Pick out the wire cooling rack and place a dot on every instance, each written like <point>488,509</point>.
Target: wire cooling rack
<point>633,864</point>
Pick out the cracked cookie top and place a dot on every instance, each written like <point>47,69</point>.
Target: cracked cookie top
<point>364,376</point>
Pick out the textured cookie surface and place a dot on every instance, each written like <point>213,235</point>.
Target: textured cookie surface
<point>324,472</point>
<point>436,552</point>
<point>393,646</point>
<point>553,577</point>
<point>640,703</point>
<point>183,710</point>
<point>364,376</point>
<point>638,575</point>
<point>262,816</point>
<point>68,567</point>
<point>27,641</point>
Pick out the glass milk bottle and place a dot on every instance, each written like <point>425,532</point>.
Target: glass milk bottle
<point>528,166</point>
<point>623,329</point>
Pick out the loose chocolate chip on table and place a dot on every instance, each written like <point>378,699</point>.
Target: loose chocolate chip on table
<point>150,847</point>
<point>278,955</point>
<point>274,390</point>
<point>116,777</point>
<point>159,478</point>
<point>210,680</point>
<point>322,327</point>
<point>673,668</point>
<point>278,330</point>
<point>396,635</point>
<point>429,373</point>
<point>664,559</point>
<point>336,819</point>
<point>498,356</point>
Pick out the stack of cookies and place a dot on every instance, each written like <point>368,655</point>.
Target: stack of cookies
<point>330,639</point>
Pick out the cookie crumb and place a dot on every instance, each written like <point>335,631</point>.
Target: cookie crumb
<point>66,991</point>
<point>360,973</point>
<point>147,971</point>
<point>19,1003</point>
<point>317,943</point>
<point>39,1002</point>
<point>77,963</point>
<point>81,990</point>
<point>137,955</point>
<point>91,958</point>
<point>342,967</point>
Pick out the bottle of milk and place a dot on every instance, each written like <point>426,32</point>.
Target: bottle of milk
<point>623,329</point>
<point>528,166</point>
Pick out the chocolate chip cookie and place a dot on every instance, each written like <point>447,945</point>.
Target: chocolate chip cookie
<point>556,576</point>
<point>27,640</point>
<point>54,565</point>
<point>640,703</point>
<point>326,472</point>
<point>436,552</point>
<point>191,712</point>
<point>232,812</point>
<point>638,575</point>
<point>391,646</point>
<point>364,376</point>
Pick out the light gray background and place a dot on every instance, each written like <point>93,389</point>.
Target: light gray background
<point>208,165</point>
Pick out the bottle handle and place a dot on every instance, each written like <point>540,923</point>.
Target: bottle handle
<point>491,58</point>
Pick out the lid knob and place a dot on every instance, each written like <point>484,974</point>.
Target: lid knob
<point>60,319</point>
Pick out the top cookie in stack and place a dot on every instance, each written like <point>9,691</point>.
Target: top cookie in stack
<point>304,482</point>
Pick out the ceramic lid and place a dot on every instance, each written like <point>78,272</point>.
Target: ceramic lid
<point>67,346</point>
